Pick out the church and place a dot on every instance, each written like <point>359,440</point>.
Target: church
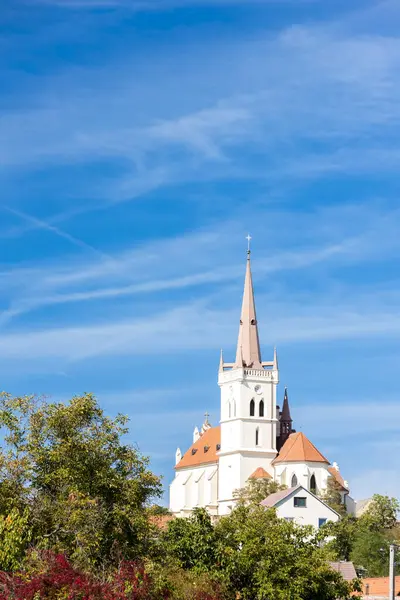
<point>255,439</point>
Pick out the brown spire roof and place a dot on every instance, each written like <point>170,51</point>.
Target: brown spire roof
<point>203,451</point>
<point>260,473</point>
<point>248,352</point>
<point>298,448</point>
<point>285,414</point>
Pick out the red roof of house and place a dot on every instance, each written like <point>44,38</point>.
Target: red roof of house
<point>379,586</point>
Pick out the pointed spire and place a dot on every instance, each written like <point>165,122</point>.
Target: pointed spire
<point>248,352</point>
<point>275,365</point>
<point>221,362</point>
<point>285,414</point>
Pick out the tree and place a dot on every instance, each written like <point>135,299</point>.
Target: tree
<point>15,534</point>
<point>371,553</point>
<point>332,496</point>
<point>260,556</point>
<point>343,533</point>
<point>84,489</point>
<point>381,513</point>
<point>256,490</point>
<point>191,541</point>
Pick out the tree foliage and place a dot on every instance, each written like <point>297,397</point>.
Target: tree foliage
<point>256,490</point>
<point>58,579</point>
<point>192,541</point>
<point>332,496</point>
<point>365,541</point>
<point>256,556</point>
<point>381,513</point>
<point>66,466</point>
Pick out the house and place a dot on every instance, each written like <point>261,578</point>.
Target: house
<point>302,506</point>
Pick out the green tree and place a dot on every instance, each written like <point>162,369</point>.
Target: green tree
<point>15,534</point>
<point>343,533</point>
<point>371,553</point>
<point>260,556</point>
<point>256,490</point>
<point>85,490</point>
<point>332,496</point>
<point>381,513</point>
<point>191,541</point>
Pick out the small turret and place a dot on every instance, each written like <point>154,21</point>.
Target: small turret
<point>285,421</point>
<point>196,434</point>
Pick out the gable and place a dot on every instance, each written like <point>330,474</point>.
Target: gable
<point>280,498</point>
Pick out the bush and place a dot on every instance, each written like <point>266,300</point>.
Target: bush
<point>53,578</point>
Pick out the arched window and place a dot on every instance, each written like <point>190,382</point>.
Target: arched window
<point>313,485</point>
<point>229,409</point>
<point>294,481</point>
<point>261,408</point>
<point>257,436</point>
<point>252,408</point>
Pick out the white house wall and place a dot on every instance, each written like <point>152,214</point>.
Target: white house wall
<point>310,515</point>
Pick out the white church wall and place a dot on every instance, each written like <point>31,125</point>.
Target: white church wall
<point>303,472</point>
<point>195,487</point>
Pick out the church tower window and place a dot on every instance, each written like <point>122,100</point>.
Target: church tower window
<point>294,481</point>
<point>257,436</point>
<point>252,407</point>
<point>261,408</point>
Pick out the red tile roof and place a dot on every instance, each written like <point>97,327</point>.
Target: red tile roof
<point>203,451</point>
<point>379,586</point>
<point>260,473</point>
<point>298,448</point>
<point>336,474</point>
<point>161,521</point>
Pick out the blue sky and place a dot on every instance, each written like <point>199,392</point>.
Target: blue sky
<point>139,142</point>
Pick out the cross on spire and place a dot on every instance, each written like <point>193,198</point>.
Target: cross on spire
<point>248,238</point>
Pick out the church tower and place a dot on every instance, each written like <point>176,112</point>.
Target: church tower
<point>248,406</point>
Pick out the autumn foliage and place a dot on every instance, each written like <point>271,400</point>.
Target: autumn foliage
<point>59,580</point>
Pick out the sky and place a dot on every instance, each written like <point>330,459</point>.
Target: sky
<point>140,141</point>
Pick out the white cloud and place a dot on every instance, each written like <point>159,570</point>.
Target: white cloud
<point>352,418</point>
<point>286,89</point>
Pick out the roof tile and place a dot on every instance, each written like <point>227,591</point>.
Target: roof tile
<point>298,448</point>
<point>203,451</point>
<point>260,473</point>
